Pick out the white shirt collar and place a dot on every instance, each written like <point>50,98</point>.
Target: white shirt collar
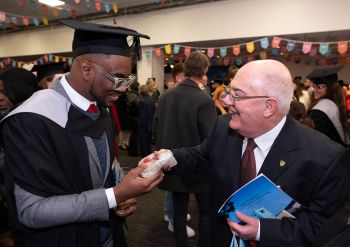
<point>74,96</point>
<point>265,141</point>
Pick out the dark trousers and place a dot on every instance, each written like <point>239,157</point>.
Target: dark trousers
<point>145,142</point>
<point>180,200</point>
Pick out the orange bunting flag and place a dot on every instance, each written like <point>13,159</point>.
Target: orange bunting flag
<point>307,47</point>
<point>98,5</point>
<point>167,49</point>
<point>275,42</point>
<point>236,50</point>
<point>187,51</point>
<point>45,20</point>
<point>25,21</point>
<point>250,47</point>
<point>262,55</point>
<point>158,52</point>
<point>115,8</point>
<point>342,47</point>
<point>210,52</point>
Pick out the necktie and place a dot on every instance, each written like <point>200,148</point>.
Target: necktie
<point>92,108</point>
<point>248,166</point>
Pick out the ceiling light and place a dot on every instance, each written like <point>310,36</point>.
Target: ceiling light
<point>52,3</point>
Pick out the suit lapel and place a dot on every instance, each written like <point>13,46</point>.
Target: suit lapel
<point>280,156</point>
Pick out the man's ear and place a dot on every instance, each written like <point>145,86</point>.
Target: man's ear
<point>86,70</point>
<point>270,107</point>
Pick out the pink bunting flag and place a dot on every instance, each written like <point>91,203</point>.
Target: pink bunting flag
<point>342,47</point>
<point>187,51</point>
<point>21,2</point>
<point>98,5</point>
<point>25,21</point>
<point>307,47</point>
<point>158,52</point>
<point>77,1</point>
<point>275,42</point>
<point>236,50</point>
<point>210,52</point>
<point>2,16</point>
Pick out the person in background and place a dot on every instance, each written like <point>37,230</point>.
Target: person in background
<point>145,112</point>
<point>232,71</point>
<point>153,90</point>
<point>16,85</point>
<point>124,135</point>
<point>299,113</point>
<point>327,108</point>
<point>48,73</point>
<point>221,100</point>
<point>259,138</point>
<point>59,148</point>
<point>204,85</point>
<point>300,94</point>
<point>184,117</point>
<point>132,101</point>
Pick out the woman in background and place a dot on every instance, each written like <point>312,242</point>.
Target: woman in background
<point>221,100</point>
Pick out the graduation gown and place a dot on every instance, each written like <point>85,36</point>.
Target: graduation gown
<point>46,154</point>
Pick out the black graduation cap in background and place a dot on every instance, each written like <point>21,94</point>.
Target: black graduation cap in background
<point>104,39</point>
<point>325,75</point>
<point>43,70</point>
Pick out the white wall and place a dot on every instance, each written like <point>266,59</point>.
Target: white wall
<point>211,21</point>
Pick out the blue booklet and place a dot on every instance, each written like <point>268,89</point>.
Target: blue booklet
<point>260,198</point>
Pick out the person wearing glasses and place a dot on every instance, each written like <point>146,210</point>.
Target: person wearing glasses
<point>306,164</point>
<point>327,109</point>
<point>59,148</point>
<point>221,100</point>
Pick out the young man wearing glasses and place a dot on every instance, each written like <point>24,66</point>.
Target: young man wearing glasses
<point>304,163</point>
<point>59,148</point>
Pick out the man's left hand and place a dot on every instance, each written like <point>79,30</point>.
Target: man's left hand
<point>126,208</point>
<point>249,230</point>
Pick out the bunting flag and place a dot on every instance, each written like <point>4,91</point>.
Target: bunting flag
<point>264,43</point>
<point>55,12</point>
<point>32,5</point>
<point>21,2</point>
<point>107,7</point>
<point>323,48</point>
<point>148,54</point>
<point>44,9</point>
<point>65,14</point>
<point>88,4</point>
<point>176,49</point>
<point>250,47</point>
<point>223,51</point>
<point>290,46</point>
<point>2,16</point>
<point>275,42</point>
<point>187,51</point>
<point>167,49</point>
<point>14,19</point>
<point>157,52</point>
<point>342,47</point>
<point>45,20</point>
<point>306,47</point>
<point>236,50</point>
<point>25,21</point>
<point>210,52</point>
<point>115,8</point>
<point>98,5</point>
<point>77,1</point>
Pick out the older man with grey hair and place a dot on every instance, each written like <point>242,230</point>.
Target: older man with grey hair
<point>259,138</point>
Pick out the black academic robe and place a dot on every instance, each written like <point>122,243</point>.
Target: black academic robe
<point>47,159</point>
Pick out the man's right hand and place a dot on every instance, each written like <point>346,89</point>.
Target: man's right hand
<point>133,185</point>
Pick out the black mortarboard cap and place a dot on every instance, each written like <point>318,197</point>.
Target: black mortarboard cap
<point>104,39</point>
<point>325,75</point>
<point>43,70</point>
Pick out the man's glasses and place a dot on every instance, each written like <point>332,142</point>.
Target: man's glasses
<point>233,98</point>
<point>119,82</point>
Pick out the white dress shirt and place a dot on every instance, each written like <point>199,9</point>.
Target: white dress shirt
<point>263,146</point>
<point>84,104</point>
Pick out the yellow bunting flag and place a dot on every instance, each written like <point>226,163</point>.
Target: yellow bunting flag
<point>57,59</point>
<point>45,20</point>
<point>115,8</point>
<point>55,12</point>
<point>250,47</point>
<point>167,49</point>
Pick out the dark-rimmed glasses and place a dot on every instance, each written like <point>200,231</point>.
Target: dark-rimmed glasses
<point>233,98</point>
<point>118,81</point>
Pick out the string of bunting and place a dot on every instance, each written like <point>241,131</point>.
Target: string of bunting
<point>262,48</point>
<point>291,50</point>
<point>10,20</point>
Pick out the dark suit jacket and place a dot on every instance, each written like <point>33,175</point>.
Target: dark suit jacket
<point>184,118</point>
<point>146,110</point>
<point>315,174</point>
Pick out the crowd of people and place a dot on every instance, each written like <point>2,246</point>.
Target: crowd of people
<point>60,181</point>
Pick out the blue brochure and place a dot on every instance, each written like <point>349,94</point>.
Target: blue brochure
<point>260,198</point>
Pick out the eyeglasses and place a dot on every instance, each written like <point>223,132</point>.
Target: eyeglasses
<point>233,98</point>
<point>118,81</point>
<point>318,86</point>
